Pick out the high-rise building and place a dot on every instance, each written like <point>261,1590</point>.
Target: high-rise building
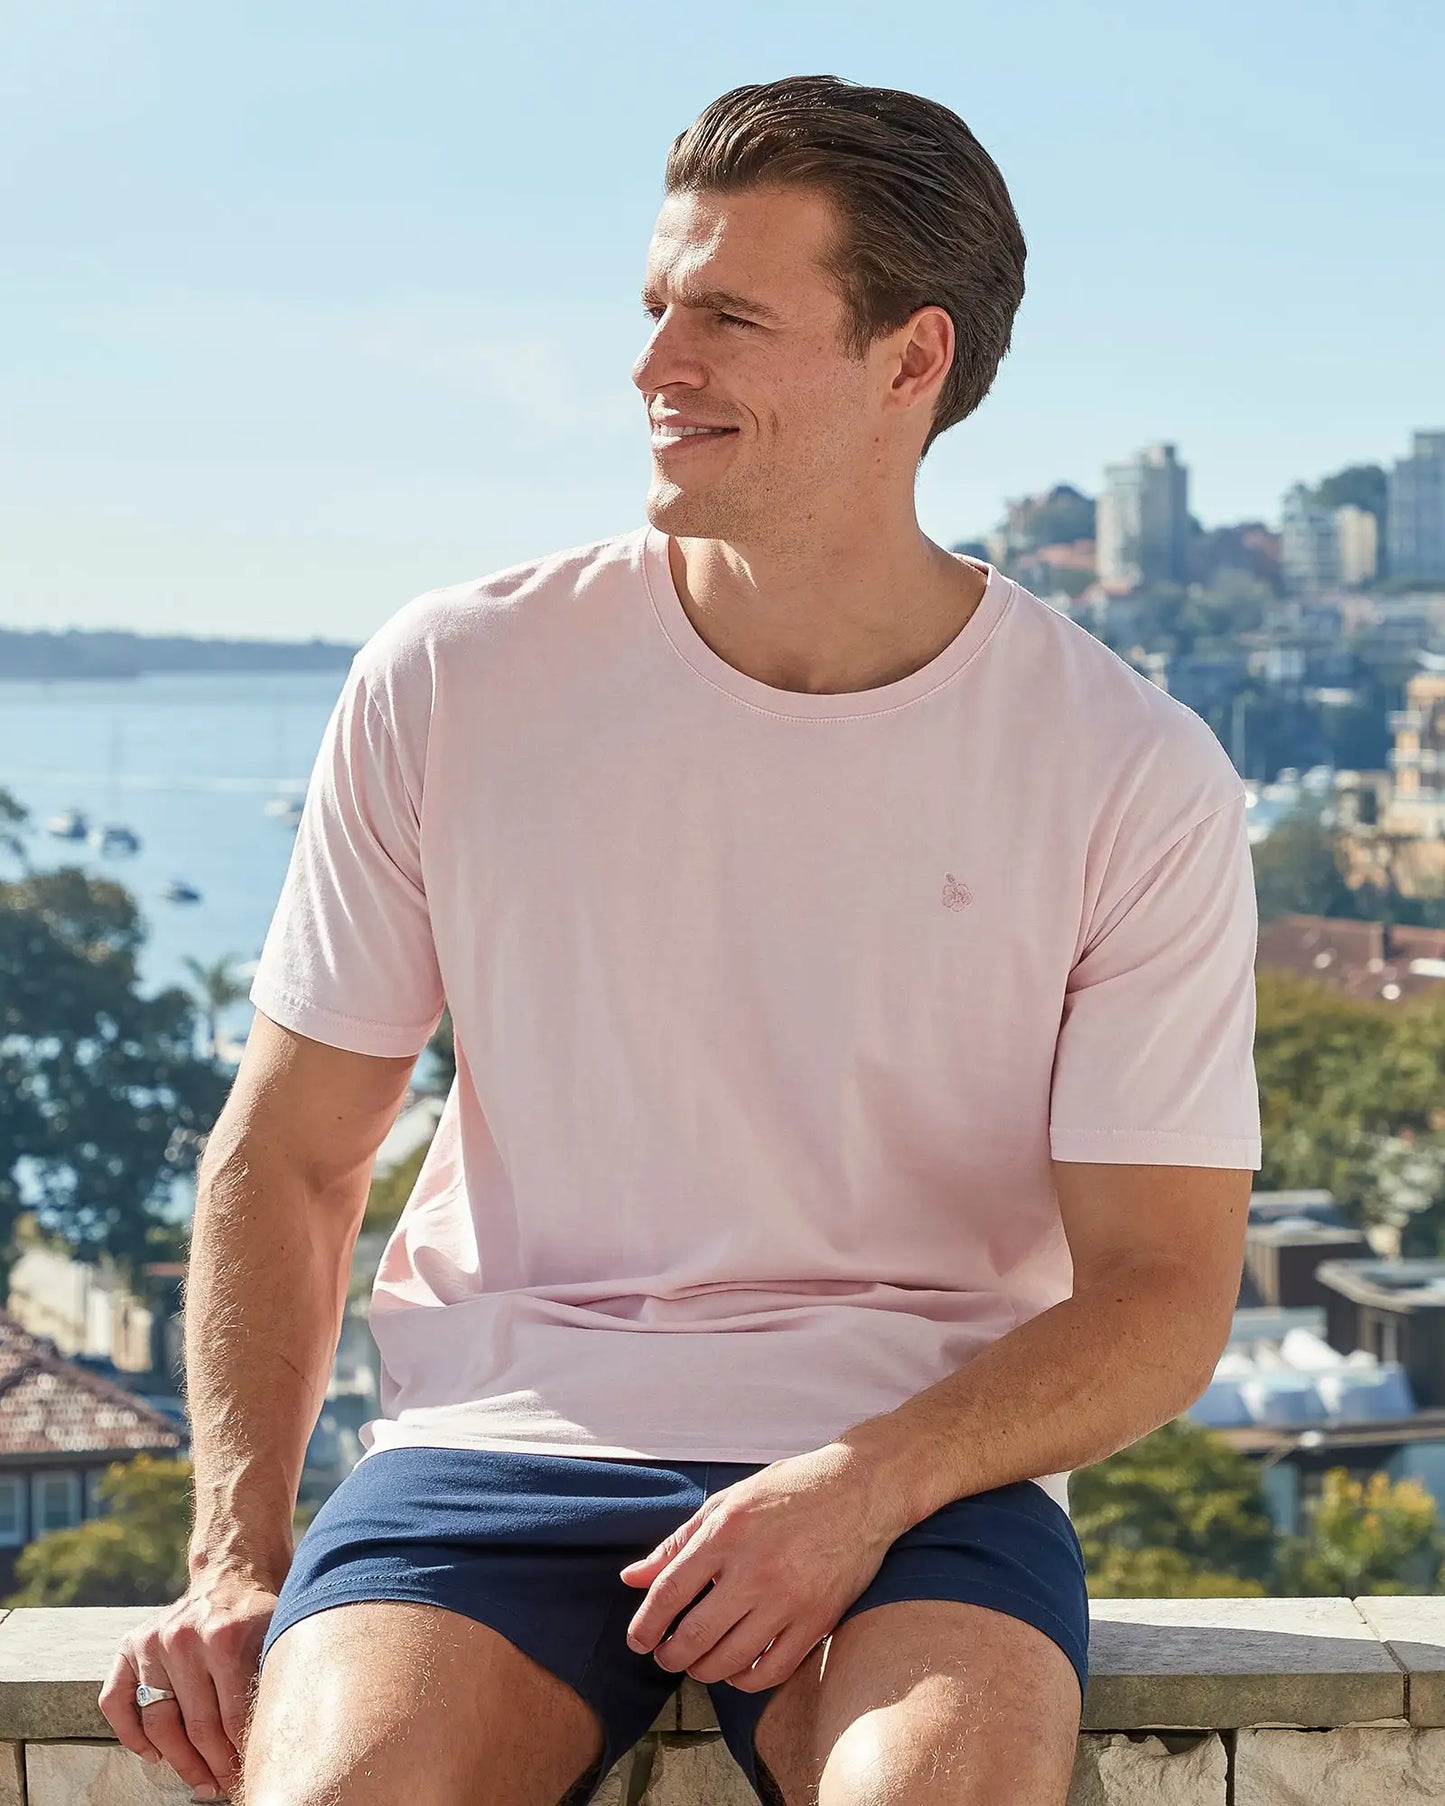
<point>1309,558</point>
<point>1358,535</point>
<point>1143,520</point>
<point>1415,517</point>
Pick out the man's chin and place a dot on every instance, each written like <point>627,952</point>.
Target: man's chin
<point>688,513</point>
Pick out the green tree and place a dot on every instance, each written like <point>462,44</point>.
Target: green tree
<point>1062,516</point>
<point>1361,486</point>
<point>440,1059</point>
<point>13,828</point>
<point>1178,1513</point>
<point>1116,1573</point>
<point>133,1555</point>
<point>217,988</point>
<point>1299,870</point>
<point>136,1553</point>
<point>1352,1098</point>
<point>1366,1536</point>
<point>390,1191</point>
<point>102,1098</point>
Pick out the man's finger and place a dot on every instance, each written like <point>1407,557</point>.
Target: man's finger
<point>739,1649</point>
<point>190,1724</point>
<point>775,1665</point>
<point>665,1550</point>
<point>671,1592</point>
<point>117,1703</point>
<point>710,1621</point>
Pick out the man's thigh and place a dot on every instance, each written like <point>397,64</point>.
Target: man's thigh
<point>930,1701</point>
<point>389,1700</point>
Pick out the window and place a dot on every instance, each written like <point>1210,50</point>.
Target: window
<point>54,1502</point>
<point>95,1506</point>
<point>12,1512</point>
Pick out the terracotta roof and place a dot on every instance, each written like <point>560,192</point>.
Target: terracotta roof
<point>1077,554</point>
<point>1357,958</point>
<point>49,1406</point>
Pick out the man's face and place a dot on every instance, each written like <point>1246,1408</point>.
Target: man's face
<point>747,334</point>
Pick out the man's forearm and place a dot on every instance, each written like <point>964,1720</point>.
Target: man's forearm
<point>1072,1385</point>
<point>265,1291</point>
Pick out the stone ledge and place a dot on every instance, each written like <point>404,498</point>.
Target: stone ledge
<point>1357,1766</point>
<point>1155,1664</point>
<point>1413,1630</point>
<point>1216,1664</point>
<point>1354,1766</point>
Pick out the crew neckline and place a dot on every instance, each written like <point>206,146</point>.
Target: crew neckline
<point>673,618</point>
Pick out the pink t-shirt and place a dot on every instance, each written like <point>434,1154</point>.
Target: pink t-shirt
<point>770,1008</point>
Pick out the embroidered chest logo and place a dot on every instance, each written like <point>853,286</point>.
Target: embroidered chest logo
<point>956,895</point>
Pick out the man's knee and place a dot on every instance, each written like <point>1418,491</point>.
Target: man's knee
<point>871,1766</point>
<point>397,1701</point>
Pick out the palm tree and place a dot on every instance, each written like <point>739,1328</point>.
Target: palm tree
<point>216,988</point>
<point>12,829</point>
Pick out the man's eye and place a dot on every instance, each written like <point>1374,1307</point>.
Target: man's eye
<point>732,319</point>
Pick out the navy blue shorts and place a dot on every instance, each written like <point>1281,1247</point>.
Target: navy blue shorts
<point>531,1545</point>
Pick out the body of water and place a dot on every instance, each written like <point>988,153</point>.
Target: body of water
<point>189,762</point>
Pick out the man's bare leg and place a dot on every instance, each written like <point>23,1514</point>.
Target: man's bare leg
<point>404,1702</point>
<point>925,1703</point>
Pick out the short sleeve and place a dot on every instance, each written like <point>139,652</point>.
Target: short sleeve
<point>1155,1055</point>
<point>349,958</point>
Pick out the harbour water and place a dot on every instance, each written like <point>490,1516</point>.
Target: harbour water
<point>189,762</point>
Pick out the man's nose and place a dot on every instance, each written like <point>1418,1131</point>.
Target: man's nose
<point>667,358</point>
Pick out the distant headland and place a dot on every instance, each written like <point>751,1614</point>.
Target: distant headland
<point>36,656</point>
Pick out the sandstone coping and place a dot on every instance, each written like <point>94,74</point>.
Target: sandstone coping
<point>1154,1664</point>
<point>1205,1702</point>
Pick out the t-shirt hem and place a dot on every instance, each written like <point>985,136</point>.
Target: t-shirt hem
<point>353,1034</point>
<point>595,1451</point>
<point>692,1456</point>
<point>1155,1147</point>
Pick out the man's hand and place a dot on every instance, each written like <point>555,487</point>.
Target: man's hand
<point>787,1551</point>
<point>206,1649</point>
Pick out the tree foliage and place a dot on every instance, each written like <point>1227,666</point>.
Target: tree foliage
<point>1059,517</point>
<point>1361,486</point>
<point>390,1191</point>
<point>1298,870</point>
<point>136,1553</point>
<point>1301,868</point>
<point>1182,1515</point>
<point>1366,1536</point>
<point>1352,1099</point>
<point>102,1097</point>
<point>216,988</point>
<point>1180,1511</point>
<point>133,1555</point>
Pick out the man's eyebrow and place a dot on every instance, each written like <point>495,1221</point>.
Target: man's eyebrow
<point>724,300</point>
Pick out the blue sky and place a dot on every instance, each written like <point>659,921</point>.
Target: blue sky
<point>310,306</point>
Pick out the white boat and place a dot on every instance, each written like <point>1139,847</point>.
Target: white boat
<point>286,809</point>
<point>114,837</point>
<point>69,824</point>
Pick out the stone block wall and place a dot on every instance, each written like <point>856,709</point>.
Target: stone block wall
<point>1209,1702</point>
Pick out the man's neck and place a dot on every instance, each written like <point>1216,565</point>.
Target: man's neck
<point>824,633</point>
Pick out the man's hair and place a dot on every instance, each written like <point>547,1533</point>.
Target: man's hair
<point>926,218</point>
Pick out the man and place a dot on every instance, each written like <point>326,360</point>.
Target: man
<point>851,967</point>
